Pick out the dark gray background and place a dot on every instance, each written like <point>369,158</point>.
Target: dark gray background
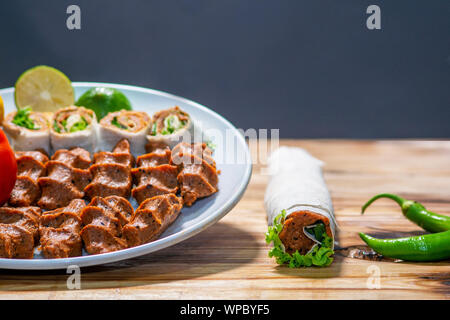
<point>310,68</point>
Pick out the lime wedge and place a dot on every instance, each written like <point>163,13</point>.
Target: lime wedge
<point>44,89</point>
<point>103,101</point>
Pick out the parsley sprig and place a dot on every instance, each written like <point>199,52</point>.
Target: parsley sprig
<point>320,256</point>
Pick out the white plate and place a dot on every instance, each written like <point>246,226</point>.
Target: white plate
<point>233,179</point>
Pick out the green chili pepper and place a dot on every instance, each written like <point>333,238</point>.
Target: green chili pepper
<point>416,213</point>
<point>429,247</point>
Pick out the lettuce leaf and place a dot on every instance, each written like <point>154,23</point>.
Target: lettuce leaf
<point>79,126</point>
<point>116,123</point>
<point>153,131</point>
<point>22,119</point>
<point>320,256</point>
<point>171,124</point>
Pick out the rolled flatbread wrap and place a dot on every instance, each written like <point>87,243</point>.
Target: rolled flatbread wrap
<point>170,127</point>
<point>131,125</point>
<point>73,127</point>
<point>28,130</point>
<point>297,190</point>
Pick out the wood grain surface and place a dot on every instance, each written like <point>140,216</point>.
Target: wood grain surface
<point>229,260</point>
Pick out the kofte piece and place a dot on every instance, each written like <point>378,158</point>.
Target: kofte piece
<point>67,176</point>
<point>103,219</point>
<point>25,217</point>
<point>109,179</point>
<point>30,166</point>
<point>15,242</point>
<point>111,172</point>
<point>25,192</point>
<point>181,153</point>
<point>98,239</point>
<point>152,218</point>
<point>153,181</point>
<point>19,231</point>
<point>154,159</point>
<point>75,157</point>
<point>197,179</point>
<point>154,175</point>
<point>60,231</point>
<point>198,175</point>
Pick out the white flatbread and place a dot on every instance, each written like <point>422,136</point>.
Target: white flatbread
<point>296,184</point>
<point>23,139</point>
<point>108,137</point>
<point>27,140</point>
<point>85,139</point>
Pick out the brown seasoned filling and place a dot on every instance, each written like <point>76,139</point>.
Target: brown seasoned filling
<point>154,159</point>
<point>183,151</point>
<point>197,179</point>
<point>75,157</point>
<point>36,155</point>
<point>30,166</point>
<point>103,219</point>
<point>59,231</point>
<point>66,178</point>
<point>292,234</point>
<point>131,121</point>
<point>112,172</point>
<point>154,176</point>
<point>153,216</point>
<point>15,242</point>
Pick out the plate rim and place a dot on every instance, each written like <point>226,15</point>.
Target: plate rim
<point>182,235</point>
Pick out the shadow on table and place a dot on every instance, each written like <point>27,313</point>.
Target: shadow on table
<point>220,248</point>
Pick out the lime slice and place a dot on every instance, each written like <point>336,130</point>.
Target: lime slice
<point>2,110</point>
<point>103,101</point>
<point>44,89</point>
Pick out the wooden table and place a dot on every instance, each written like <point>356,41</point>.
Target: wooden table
<point>229,260</point>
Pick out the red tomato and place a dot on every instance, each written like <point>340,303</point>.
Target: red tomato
<point>8,168</point>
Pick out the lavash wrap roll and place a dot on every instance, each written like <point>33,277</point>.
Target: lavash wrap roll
<point>25,139</point>
<point>124,124</point>
<point>74,127</point>
<point>178,122</point>
<point>296,185</point>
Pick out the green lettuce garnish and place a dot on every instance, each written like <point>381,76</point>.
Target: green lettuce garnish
<point>153,132</point>
<point>56,127</point>
<point>22,119</point>
<point>171,124</point>
<point>116,123</point>
<point>320,256</point>
<point>79,126</point>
